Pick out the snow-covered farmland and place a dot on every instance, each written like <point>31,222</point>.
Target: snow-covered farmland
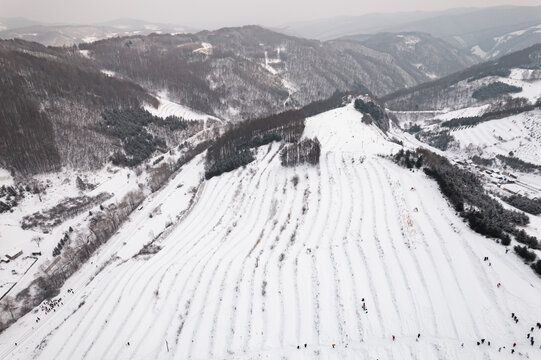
<point>519,134</point>
<point>308,262</point>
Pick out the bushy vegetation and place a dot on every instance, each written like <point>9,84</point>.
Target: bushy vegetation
<point>524,253</point>
<point>234,148</point>
<point>439,140</point>
<point>414,129</point>
<point>494,89</point>
<point>372,113</point>
<point>482,161</point>
<point>66,209</point>
<point>60,245</point>
<point>369,107</point>
<point>518,164</point>
<point>130,126</point>
<point>537,267</point>
<point>11,195</point>
<point>408,159</point>
<point>305,151</point>
<point>530,241</point>
<point>524,203</point>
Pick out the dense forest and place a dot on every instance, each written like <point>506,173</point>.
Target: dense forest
<point>303,152</point>
<point>131,127</point>
<point>372,113</point>
<point>49,99</point>
<point>494,89</point>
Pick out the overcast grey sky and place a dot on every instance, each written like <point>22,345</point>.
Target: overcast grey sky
<point>215,13</point>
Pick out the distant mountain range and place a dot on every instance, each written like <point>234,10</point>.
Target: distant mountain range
<point>485,32</point>
<point>70,34</point>
<point>232,73</point>
<point>50,121</point>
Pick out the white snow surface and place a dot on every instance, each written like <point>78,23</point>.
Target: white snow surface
<point>5,177</point>
<point>465,112</point>
<point>531,90</point>
<point>205,49</point>
<point>257,265</point>
<point>109,73</point>
<point>476,50</point>
<point>85,53</point>
<point>60,186</point>
<point>520,134</point>
<point>171,108</point>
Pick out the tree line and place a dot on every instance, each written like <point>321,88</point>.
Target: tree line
<point>305,151</point>
<point>233,149</point>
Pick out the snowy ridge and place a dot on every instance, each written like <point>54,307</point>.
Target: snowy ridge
<point>170,108</point>
<point>259,264</point>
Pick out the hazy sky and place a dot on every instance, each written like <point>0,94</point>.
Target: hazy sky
<point>215,13</point>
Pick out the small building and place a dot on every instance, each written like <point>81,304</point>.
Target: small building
<point>509,191</point>
<point>13,257</point>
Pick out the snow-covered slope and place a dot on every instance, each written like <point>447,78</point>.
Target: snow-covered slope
<point>307,262</point>
<point>519,134</point>
<point>169,108</point>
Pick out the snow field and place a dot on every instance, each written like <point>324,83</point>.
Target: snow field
<point>170,108</point>
<point>520,134</point>
<point>258,266</point>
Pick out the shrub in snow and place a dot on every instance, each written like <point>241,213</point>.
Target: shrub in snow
<point>306,151</point>
<point>372,113</point>
<point>524,253</point>
<point>537,267</point>
<point>518,164</point>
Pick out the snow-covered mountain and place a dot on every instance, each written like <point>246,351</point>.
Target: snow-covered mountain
<point>484,32</point>
<point>352,257</point>
<point>520,69</point>
<point>419,52</point>
<point>507,42</point>
<point>486,117</point>
<point>73,34</point>
<point>231,74</point>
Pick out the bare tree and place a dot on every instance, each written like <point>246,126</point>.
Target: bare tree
<point>37,240</point>
<point>8,305</point>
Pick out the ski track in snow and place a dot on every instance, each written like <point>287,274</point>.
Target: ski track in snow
<point>259,266</point>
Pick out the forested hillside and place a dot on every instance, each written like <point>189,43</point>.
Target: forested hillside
<point>54,99</point>
<point>419,53</point>
<point>50,99</point>
<point>239,73</point>
<point>458,89</point>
